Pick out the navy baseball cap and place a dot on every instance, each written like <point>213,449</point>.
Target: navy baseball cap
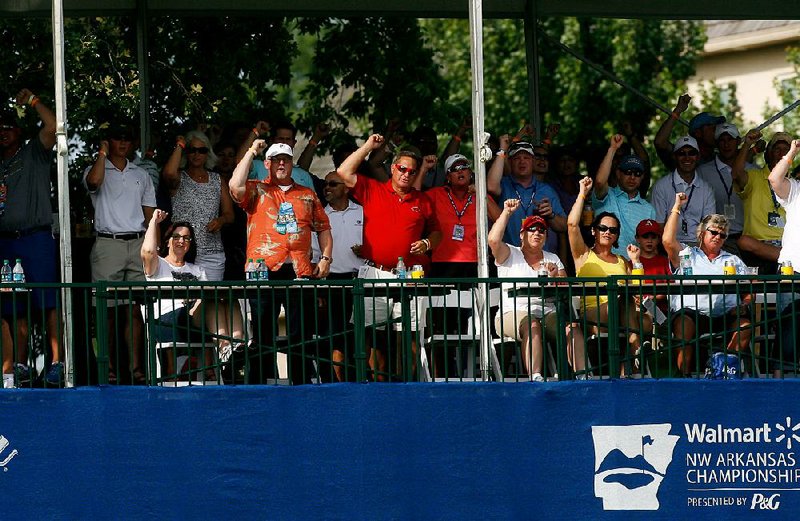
<point>703,119</point>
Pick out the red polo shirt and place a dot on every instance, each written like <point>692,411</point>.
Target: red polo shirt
<point>392,222</point>
<point>447,210</point>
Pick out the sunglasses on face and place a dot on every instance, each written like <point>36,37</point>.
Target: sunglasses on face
<point>687,153</point>
<point>632,173</point>
<point>403,169</point>
<point>459,168</point>
<point>650,236</point>
<point>536,229</point>
<point>197,150</point>
<point>333,184</point>
<point>614,230</point>
<point>178,237</point>
<point>714,233</point>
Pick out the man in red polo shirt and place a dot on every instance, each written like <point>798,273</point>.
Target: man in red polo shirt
<point>399,221</point>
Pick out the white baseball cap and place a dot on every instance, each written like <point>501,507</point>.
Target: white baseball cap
<point>279,149</point>
<point>686,141</point>
<point>455,158</point>
<point>727,128</point>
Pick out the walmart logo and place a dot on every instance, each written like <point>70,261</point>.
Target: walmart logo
<point>3,446</point>
<point>787,432</point>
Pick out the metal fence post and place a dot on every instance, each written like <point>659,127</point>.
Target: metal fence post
<point>613,326</point>
<point>102,331</point>
<point>360,353</point>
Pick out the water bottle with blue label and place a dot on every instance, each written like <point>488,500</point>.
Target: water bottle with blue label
<point>686,263</point>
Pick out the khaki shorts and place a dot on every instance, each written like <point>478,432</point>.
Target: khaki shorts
<point>377,309</point>
<point>510,323</point>
<point>116,260</point>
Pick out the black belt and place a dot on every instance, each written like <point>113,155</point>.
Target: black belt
<point>23,233</point>
<point>121,236</point>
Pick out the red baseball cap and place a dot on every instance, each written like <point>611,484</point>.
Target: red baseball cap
<point>533,220</point>
<point>648,226</point>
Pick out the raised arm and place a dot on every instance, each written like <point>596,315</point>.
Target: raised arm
<point>47,135</point>
<point>349,167</point>
<point>97,173</point>
<point>670,236</point>
<point>321,131</point>
<point>738,170</point>
<point>500,249</point>
<point>576,242</point>
<point>661,142</point>
<point>170,176</point>
<point>604,172</point>
<point>495,174</point>
<point>238,182</point>
<point>428,163</point>
<point>149,252</point>
<point>777,177</point>
<point>261,129</point>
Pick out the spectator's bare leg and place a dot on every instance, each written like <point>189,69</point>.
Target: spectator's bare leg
<point>531,335</point>
<point>54,332</point>
<point>576,355</point>
<point>684,329</point>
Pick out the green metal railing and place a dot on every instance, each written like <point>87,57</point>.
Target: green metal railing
<point>386,330</point>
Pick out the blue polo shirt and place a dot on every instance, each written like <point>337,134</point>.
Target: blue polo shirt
<point>259,172</point>
<point>534,193</point>
<point>630,213</point>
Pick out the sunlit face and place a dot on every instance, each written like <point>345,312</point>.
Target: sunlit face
<point>714,238</point>
<point>686,159</point>
<point>404,171</point>
<point>196,153</point>
<point>534,239</point>
<point>280,168</point>
<point>180,241</point>
<point>728,146</point>
<point>606,232</point>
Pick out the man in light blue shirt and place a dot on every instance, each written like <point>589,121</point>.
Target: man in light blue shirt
<point>622,200</point>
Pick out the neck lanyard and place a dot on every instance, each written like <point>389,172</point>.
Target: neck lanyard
<point>775,202</point>
<point>728,189</point>
<point>688,197</point>
<point>460,214</point>
<point>530,201</point>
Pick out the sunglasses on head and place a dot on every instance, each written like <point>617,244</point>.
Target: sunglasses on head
<point>333,184</point>
<point>179,237</point>
<point>603,228</point>
<point>197,150</point>
<point>403,169</point>
<point>650,236</point>
<point>714,233</point>
<point>687,153</point>
<point>633,173</point>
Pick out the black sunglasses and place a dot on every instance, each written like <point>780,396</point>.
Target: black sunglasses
<point>633,173</point>
<point>458,168</point>
<point>603,228</point>
<point>333,184</point>
<point>687,153</point>
<point>197,150</point>
<point>717,232</point>
<point>537,229</point>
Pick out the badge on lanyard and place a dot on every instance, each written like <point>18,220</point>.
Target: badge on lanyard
<point>3,196</point>
<point>458,232</point>
<point>774,220</point>
<point>286,222</point>
<point>684,227</point>
<point>730,211</point>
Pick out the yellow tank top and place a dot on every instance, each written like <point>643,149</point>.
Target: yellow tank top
<point>596,267</point>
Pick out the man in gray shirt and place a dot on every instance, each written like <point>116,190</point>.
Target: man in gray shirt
<point>26,220</point>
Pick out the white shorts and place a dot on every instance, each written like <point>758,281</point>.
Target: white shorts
<point>376,307</point>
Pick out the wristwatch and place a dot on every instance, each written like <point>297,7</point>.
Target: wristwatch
<point>325,257</point>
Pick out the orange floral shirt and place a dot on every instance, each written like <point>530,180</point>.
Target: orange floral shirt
<point>279,224</point>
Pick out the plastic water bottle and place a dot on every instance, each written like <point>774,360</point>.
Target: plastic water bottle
<point>5,273</point>
<point>18,274</point>
<point>542,271</point>
<point>250,271</point>
<point>262,270</point>
<point>400,269</point>
<point>686,264</point>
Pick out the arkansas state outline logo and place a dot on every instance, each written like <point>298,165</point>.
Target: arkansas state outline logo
<point>630,462</point>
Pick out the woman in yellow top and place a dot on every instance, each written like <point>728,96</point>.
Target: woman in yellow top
<point>599,261</point>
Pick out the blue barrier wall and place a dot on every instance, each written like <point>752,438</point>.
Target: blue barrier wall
<point>615,450</point>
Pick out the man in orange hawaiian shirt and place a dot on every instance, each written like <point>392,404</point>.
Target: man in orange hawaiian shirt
<point>281,216</point>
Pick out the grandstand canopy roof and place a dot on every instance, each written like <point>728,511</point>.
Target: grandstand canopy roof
<point>660,9</point>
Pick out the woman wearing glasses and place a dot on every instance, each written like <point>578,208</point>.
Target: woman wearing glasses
<point>527,318</point>
<point>175,318</point>
<point>701,313</point>
<point>198,196</point>
<point>598,260</point>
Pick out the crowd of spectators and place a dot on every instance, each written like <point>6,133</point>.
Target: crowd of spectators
<point>223,198</point>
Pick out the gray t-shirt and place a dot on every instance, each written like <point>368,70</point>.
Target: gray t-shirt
<point>27,180</point>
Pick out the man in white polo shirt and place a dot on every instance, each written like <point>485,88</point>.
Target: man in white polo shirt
<point>347,226</point>
<point>124,199</point>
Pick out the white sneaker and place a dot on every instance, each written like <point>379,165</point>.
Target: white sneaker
<point>537,377</point>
